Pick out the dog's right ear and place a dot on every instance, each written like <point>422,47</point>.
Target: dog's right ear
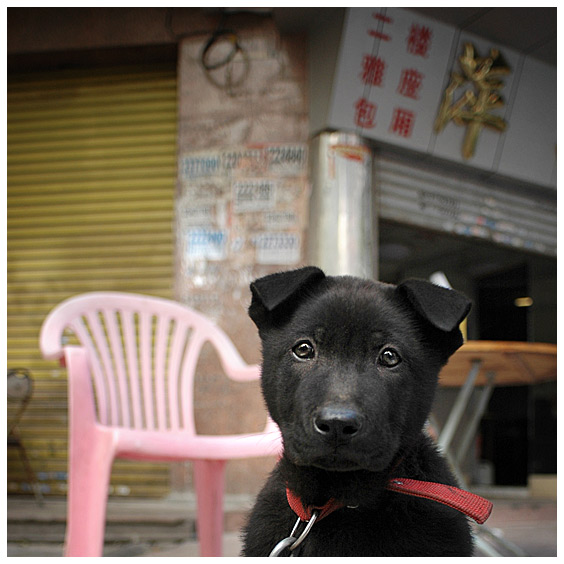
<point>274,290</point>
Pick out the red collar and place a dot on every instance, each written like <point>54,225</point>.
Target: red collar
<point>468,503</point>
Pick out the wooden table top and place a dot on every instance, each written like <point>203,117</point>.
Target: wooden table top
<point>514,363</point>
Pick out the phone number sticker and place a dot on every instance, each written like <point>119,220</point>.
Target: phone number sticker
<point>254,195</point>
<point>207,244</point>
<point>287,159</point>
<point>278,248</point>
<point>200,166</point>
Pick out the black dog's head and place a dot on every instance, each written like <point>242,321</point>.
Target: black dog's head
<point>350,366</point>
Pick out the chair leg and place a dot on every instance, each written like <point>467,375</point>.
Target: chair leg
<point>91,453</point>
<point>209,480</point>
<point>89,477</point>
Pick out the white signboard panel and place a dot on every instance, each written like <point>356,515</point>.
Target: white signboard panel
<point>529,149</point>
<point>390,75</point>
<point>392,71</point>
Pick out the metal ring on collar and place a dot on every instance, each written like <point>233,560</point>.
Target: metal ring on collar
<point>283,544</point>
<point>306,531</point>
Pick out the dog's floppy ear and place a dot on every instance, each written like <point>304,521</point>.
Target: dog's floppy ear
<point>276,289</point>
<point>443,308</point>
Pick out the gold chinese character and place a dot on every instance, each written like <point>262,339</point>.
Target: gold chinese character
<point>472,110</point>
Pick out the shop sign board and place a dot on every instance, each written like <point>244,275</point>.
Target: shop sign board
<point>417,83</point>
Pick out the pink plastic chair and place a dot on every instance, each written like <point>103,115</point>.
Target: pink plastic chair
<point>131,396</point>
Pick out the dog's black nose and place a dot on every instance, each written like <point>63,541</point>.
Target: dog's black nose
<point>337,423</point>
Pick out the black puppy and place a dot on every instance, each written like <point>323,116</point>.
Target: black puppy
<point>350,368</point>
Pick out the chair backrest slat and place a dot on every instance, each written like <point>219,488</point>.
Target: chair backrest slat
<point>160,354</point>
<point>191,355</point>
<point>128,321</point>
<point>82,330</point>
<point>177,346</point>
<point>98,332</point>
<point>116,349</point>
<point>145,347</point>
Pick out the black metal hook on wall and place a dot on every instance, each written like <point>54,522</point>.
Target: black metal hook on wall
<point>223,36</point>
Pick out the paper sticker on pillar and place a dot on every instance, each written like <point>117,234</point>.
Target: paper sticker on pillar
<point>277,248</point>
<point>207,244</point>
<point>197,215</point>
<point>242,158</point>
<point>200,165</point>
<point>252,195</point>
<point>287,160</point>
<point>280,219</point>
<point>357,153</point>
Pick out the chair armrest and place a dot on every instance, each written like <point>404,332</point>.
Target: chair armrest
<point>50,338</point>
<point>271,427</point>
<point>82,405</point>
<point>244,372</point>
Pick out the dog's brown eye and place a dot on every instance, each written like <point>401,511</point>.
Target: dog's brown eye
<point>389,358</point>
<point>303,350</point>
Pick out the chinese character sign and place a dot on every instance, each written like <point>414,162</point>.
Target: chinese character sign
<point>413,82</point>
<point>373,70</point>
<point>393,78</point>
<point>410,83</point>
<point>473,109</point>
<point>402,122</point>
<point>365,114</point>
<point>419,40</point>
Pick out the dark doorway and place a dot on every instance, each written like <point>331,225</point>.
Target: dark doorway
<point>502,305</point>
<point>505,433</point>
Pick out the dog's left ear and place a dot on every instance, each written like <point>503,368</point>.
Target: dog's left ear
<point>445,309</point>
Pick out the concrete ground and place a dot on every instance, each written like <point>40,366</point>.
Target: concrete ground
<point>530,525</point>
<point>165,528</point>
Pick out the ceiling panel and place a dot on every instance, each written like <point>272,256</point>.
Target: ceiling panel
<point>527,30</point>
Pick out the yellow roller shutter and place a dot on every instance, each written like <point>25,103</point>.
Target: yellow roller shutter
<point>91,182</point>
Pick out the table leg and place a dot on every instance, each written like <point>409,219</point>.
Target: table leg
<point>485,547</point>
<point>462,399</point>
<point>444,441</point>
<point>484,532</point>
<point>477,415</point>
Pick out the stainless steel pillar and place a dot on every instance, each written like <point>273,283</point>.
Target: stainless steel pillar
<point>342,228</point>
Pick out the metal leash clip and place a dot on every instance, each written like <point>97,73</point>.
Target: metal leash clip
<point>293,542</point>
